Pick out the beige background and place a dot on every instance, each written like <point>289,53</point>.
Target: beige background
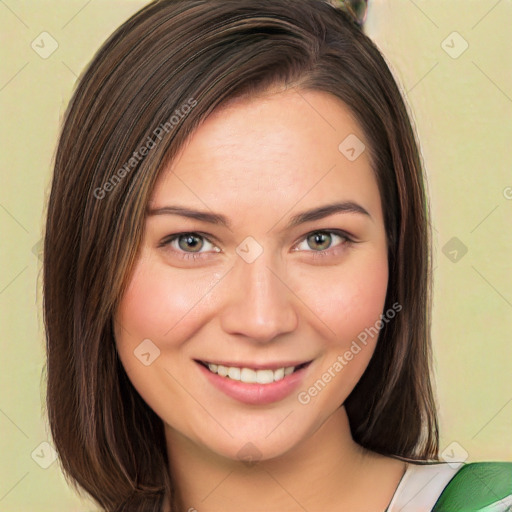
<point>461,103</point>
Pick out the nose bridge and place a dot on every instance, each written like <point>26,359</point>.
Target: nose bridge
<point>259,305</point>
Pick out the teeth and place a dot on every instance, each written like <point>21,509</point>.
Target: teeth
<point>279,374</point>
<point>234,373</point>
<point>250,376</point>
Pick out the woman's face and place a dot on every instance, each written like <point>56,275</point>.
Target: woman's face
<point>249,282</point>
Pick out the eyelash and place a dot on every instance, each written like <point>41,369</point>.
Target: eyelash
<point>347,240</point>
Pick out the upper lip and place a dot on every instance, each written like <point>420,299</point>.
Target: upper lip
<point>255,366</point>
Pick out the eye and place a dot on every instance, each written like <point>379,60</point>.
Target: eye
<point>188,245</point>
<point>323,241</point>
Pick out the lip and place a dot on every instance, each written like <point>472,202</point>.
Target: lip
<point>256,394</point>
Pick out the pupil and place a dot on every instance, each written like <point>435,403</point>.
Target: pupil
<point>188,242</point>
<point>317,237</point>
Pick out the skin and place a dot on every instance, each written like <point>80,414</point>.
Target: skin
<point>259,161</point>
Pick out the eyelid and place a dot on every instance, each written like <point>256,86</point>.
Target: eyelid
<point>347,240</point>
<point>171,238</point>
<point>338,232</point>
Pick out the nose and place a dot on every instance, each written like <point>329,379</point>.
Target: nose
<point>259,303</point>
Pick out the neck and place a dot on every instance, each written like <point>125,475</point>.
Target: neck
<point>326,465</point>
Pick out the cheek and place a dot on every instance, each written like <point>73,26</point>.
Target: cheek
<point>168,307</point>
<point>351,306</point>
<point>349,299</point>
<point>161,305</point>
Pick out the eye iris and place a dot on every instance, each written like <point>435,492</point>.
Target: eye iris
<point>319,238</point>
<point>186,241</point>
<point>189,240</point>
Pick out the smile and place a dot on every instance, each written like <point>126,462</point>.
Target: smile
<point>253,376</point>
<point>255,386</point>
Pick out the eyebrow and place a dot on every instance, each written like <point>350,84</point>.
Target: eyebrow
<point>300,218</point>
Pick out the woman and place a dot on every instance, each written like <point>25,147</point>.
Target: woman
<point>204,353</point>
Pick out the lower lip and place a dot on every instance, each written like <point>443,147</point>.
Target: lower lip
<point>256,394</point>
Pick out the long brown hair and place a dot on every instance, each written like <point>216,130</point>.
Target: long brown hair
<point>152,82</point>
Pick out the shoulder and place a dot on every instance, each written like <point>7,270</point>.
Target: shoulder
<point>478,486</point>
<point>454,487</point>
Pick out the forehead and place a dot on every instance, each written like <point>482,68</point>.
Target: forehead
<point>271,152</point>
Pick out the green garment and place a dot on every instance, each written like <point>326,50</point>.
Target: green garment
<point>454,487</point>
<point>478,487</point>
